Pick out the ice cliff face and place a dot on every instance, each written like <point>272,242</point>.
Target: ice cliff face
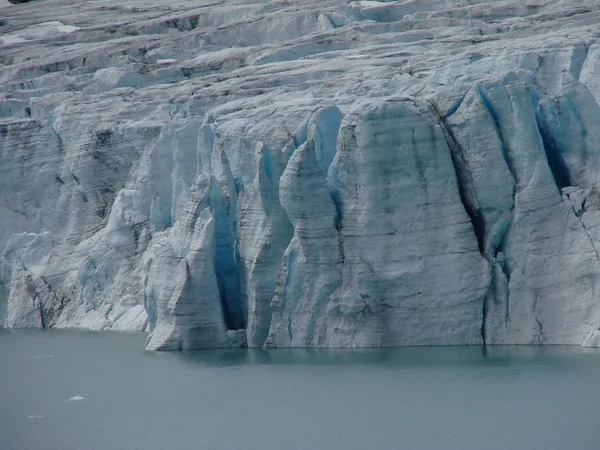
<point>302,173</point>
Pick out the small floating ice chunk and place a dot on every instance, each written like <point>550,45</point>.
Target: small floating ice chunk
<point>32,416</point>
<point>77,398</point>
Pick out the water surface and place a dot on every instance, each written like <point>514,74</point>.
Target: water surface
<point>62,390</point>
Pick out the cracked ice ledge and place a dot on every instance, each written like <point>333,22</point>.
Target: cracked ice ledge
<point>302,173</point>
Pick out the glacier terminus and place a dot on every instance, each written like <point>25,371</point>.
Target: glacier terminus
<point>287,173</point>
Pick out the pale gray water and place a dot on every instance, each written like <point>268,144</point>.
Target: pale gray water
<point>414,398</point>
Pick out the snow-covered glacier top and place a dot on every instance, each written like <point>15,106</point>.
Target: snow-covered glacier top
<point>302,173</point>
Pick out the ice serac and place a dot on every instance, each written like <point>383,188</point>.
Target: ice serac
<point>227,264</point>
<point>412,272</point>
<point>264,232</point>
<point>302,173</point>
<point>310,271</point>
<point>181,286</point>
<point>323,130</point>
<point>544,261</point>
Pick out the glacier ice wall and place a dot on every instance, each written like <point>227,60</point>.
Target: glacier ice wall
<point>304,174</point>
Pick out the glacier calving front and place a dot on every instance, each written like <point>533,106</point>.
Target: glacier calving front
<point>316,173</point>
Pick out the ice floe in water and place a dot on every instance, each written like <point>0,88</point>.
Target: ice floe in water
<point>77,398</point>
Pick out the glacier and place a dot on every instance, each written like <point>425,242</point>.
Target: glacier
<point>295,173</point>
